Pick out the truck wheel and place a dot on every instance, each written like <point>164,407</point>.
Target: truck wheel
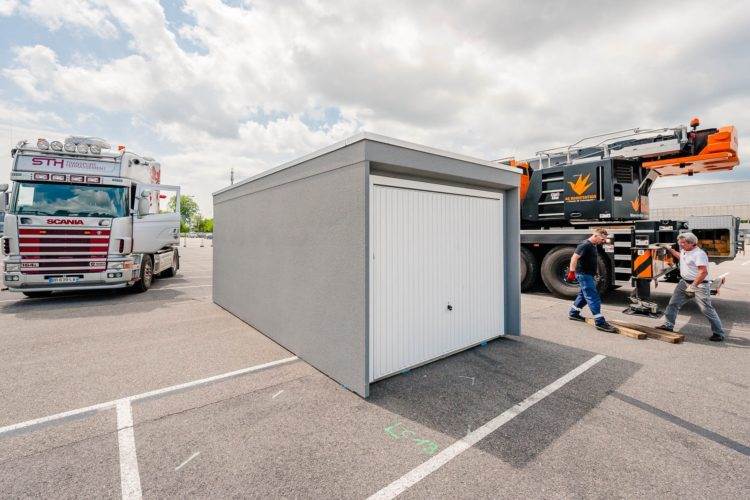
<point>146,275</point>
<point>172,271</point>
<point>529,269</point>
<point>37,295</point>
<point>555,267</point>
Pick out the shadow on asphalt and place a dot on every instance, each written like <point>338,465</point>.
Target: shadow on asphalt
<point>696,328</point>
<point>61,302</point>
<point>732,312</point>
<point>458,394</point>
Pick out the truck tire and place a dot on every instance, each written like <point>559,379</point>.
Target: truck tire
<point>529,269</point>
<point>146,275</point>
<point>37,295</point>
<point>172,271</point>
<point>555,266</point>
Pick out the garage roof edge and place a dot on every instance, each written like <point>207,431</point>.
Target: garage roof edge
<point>369,136</point>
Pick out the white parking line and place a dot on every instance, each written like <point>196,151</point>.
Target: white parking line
<point>30,424</point>
<point>425,469</point>
<point>130,478</point>
<point>183,464</point>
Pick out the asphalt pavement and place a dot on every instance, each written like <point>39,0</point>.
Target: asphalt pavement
<point>646,418</point>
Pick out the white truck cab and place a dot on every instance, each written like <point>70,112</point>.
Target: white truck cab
<point>82,217</point>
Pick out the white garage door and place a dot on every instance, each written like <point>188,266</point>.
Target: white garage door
<point>436,272</point>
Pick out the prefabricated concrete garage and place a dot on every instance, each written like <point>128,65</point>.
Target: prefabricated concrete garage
<point>372,256</point>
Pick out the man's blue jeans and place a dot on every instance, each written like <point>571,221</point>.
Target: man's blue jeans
<point>588,295</point>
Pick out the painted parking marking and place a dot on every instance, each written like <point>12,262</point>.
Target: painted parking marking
<point>130,481</point>
<point>426,468</point>
<point>80,412</point>
<point>183,464</point>
<point>130,478</point>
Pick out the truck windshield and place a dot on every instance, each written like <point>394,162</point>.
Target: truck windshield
<point>75,200</point>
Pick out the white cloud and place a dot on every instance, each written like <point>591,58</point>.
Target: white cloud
<point>19,123</point>
<point>8,7</point>
<point>239,86</point>
<point>53,14</point>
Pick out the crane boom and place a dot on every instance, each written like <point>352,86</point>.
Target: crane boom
<point>607,177</point>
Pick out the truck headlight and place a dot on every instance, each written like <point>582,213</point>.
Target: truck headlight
<point>117,265</point>
<point>11,267</point>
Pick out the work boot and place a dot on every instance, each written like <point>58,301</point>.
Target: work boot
<point>716,338</point>
<point>576,316</point>
<point>605,327</point>
<point>665,328</point>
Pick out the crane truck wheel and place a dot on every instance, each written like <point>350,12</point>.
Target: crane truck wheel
<point>555,266</point>
<point>529,269</point>
<point>146,275</point>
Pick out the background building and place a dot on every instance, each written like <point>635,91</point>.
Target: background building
<point>719,198</point>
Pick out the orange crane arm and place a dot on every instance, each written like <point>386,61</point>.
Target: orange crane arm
<point>719,153</point>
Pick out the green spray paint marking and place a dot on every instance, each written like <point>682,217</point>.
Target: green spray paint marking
<point>398,431</point>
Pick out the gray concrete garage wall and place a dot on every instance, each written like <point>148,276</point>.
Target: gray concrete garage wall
<point>289,259</point>
<point>291,246</point>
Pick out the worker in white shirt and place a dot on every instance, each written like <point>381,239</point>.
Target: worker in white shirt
<point>694,284</point>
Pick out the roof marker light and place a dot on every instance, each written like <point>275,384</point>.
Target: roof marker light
<point>56,145</point>
<point>95,149</point>
<point>70,147</point>
<point>77,178</point>
<point>42,143</point>
<point>82,148</point>
<point>58,177</point>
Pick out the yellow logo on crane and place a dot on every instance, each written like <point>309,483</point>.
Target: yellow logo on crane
<point>581,184</point>
<point>579,187</point>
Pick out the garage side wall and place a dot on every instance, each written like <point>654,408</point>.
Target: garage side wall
<point>512,253</point>
<point>289,259</point>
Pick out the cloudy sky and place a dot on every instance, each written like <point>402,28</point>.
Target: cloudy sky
<point>206,86</point>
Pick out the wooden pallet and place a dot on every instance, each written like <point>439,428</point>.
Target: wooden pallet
<point>623,330</point>
<point>652,333</point>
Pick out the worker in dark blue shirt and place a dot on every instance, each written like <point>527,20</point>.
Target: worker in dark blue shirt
<point>583,266</point>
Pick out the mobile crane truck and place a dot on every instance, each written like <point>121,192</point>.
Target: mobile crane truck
<point>605,181</point>
<point>83,217</point>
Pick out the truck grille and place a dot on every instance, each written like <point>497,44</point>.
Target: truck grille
<point>55,251</point>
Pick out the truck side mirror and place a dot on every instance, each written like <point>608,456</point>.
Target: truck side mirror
<point>3,188</point>
<point>143,203</point>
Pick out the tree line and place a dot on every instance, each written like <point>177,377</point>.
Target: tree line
<point>190,216</point>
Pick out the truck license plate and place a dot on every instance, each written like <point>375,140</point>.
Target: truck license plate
<point>63,279</point>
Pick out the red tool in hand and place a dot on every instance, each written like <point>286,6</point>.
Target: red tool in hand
<point>570,277</point>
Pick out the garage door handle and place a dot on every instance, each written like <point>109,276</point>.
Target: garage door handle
<point>450,307</point>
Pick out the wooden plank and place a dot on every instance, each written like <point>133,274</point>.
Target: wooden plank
<point>623,330</point>
<point>653,333</point>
